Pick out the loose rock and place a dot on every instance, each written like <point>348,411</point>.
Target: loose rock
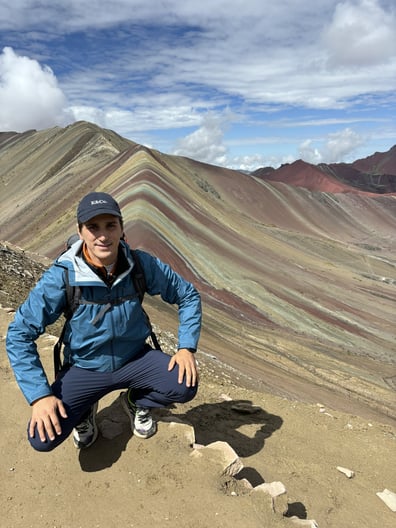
<point>347,472</point>
<point>389,498</point>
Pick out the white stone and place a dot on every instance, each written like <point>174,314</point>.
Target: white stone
<point>389,498</point>
<point>231,463</point>
<point>278,494</point>
<point>347,472</point>
<point>272,488</point>
<point>309,523</point>
<point>182,429</point>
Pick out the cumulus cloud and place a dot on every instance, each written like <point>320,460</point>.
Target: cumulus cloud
<point>308,152</point>
<point>361,34</point>
<point>337,147</point>
<point>206,143</point>
<point>341,145</point>
<point>250,163</point>
<point>89,113</point>
<point>29,93</point>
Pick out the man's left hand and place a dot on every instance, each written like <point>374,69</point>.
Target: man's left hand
<point>187,366</point>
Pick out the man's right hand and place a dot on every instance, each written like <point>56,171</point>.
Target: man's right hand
<point>45,417</point>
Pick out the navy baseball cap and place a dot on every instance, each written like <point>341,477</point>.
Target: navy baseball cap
<point>96,203</point>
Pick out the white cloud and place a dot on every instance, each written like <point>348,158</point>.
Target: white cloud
<point>361,34</point>
<point>340,145</point>
<point>337,147</point>
<point>310,153</point>
<point>252,162</point>
<point>30,95</point>
<point>206,143</point>
<point>89,113</point>
<point>69,15</point>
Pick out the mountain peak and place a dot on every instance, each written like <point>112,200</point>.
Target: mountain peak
<point>372,175</point>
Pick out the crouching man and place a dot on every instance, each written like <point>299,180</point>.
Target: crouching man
<point>105,345</point>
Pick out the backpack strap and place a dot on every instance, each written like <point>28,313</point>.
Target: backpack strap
<point>57,352</point>
<point>73,296</point>
<point>138,278</point>
<point>139,281</point>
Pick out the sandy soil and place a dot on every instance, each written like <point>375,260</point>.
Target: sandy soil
<point>128,482</point>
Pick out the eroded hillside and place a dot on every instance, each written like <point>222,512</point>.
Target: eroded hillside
<point>298,286</point>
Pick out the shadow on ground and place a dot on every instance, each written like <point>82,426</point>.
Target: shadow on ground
<point>243,426</point>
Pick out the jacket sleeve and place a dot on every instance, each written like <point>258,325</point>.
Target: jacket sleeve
<point>162,280</point>
<point>43,306</point>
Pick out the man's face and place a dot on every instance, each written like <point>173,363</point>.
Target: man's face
<point>101,235</point>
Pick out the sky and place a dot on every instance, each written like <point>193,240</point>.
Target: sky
<point>236,83</point>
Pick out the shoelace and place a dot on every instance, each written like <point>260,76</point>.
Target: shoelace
<point>143,415</point>
<point>84,426</point>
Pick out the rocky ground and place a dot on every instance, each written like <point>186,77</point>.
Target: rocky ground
<point>128,482</point>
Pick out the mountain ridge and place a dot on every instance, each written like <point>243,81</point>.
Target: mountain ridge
<point>375,174</point>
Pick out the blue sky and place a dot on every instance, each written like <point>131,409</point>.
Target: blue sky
<point>238,83</point>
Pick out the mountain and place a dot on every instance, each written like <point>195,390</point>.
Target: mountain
<point>375,174</point>
<point>297,283</point>
<point>380,163</point>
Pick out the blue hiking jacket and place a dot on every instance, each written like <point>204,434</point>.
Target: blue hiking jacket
<point>108,329</point>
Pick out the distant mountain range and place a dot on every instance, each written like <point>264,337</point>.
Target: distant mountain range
<point>374,174</point>
<point>296,266</point>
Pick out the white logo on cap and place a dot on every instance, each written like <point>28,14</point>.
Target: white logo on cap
<point>96,202</point>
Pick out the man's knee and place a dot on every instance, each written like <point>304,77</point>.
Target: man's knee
<point>188,393</point>
<point>47,445</point>
<point>43,447</point>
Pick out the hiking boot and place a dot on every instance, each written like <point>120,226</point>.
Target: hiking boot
<point>86,432</point>
<point>142,422</point>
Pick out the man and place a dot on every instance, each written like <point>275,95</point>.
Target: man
<point>105,340</point>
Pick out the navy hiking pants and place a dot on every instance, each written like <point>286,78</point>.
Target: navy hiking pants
<point>153,386</point>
